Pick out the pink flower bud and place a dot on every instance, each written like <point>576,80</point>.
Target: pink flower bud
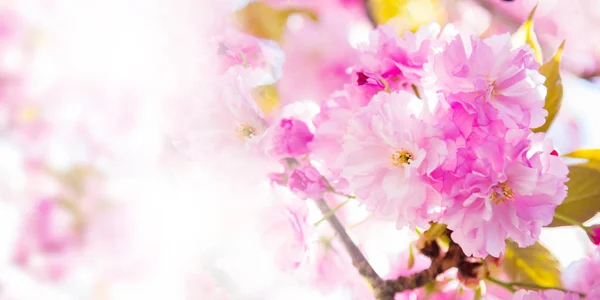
<point>594,234</point>
<point>290,138</point>
<point>307,182</point>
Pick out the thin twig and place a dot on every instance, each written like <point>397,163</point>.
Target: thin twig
<point>387,289</point>
<point>358,259</point>
<point>570,221</point>
<point>331,212</point>
<point>532,286</point>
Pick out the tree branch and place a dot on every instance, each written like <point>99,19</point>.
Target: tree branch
<point>439,264</point>
<point>358,259</point>
<point>386,289</point>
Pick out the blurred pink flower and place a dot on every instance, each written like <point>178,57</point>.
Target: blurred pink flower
<point>226,130</point>
<point>584,276</point>
<point>236,48</point>
<point>318,5</point>
<point>328,267</point>
<point>48,240</point>
<point>317,58</point>
<point>544,295</point>
<point>289,139</point>
<point>331,124</point>
<point>284,232</point>
<point>204,286</point>
<point>556,21</point>
<point>307,182</point>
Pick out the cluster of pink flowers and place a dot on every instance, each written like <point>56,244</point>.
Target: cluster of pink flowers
<point>464,149</point>
<point>434,126</point>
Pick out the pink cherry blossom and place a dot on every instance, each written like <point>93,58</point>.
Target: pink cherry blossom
<point>232,125</point>
<point>289,138</point>
<point>555,22</point>
<point>284,232</point>
<point>544,295</point>
<point>236,48</point>
<point>512,193</point>
<point>392,63</point>
<point>48,240</point>
<point>307,182</point>
<point>584,276</point>
<point>491,81</point>
<point>331,124</point>
<point>594,234</point>
<point>318,55</point>
<point>388,154</point>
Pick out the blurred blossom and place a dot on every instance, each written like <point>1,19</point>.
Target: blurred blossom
<point>152,149</point>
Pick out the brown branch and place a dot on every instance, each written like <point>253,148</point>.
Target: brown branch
<point>386,289</point>
<point>439,264</point>
<point>358,259</point>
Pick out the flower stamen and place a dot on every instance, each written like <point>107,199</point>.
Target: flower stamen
<point>401,157</point>
<point>244,130</point>
<point>501,193</point>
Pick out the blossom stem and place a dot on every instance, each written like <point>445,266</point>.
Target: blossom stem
<point>369,12</point>
<point>387,289</point>
<point>570,221</point>
<point>416,90</point>
<point>350,197</point>
<point>506,285</point>
<point>532,286</point>
<point>331,212</point>
<point>358,259</point>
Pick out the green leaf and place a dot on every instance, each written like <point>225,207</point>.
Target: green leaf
<point>533,264</point>
<point>411,257</point>
<point>435,231</point>
<point>405,14</point>
<point>266,98</point>
<point>526,35</point>
<point>553,83</point>
<point>264,21</point>
<point>583,198</point>
<point>591,154</point>
<point>478,293</point>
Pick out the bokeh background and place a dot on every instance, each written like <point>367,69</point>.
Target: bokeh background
<point>89,94</point>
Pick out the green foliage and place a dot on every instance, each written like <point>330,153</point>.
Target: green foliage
<point>405,14</point>
<point>583,199</point>
<point>526,35</point>
<point>531,265</point>
<point>264,21</point>
<point>553,83</point>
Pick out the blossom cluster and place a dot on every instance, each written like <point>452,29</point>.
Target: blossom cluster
<point>394,131</point>
<point>434,126</point>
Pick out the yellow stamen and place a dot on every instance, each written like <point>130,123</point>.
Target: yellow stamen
<point>244,130</point>
<point>507,193</point>
<point>401,157</point>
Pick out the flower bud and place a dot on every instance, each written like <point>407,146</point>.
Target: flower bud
<point>594,234</point>
<point>307,182</point>
<point>290,138</point>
